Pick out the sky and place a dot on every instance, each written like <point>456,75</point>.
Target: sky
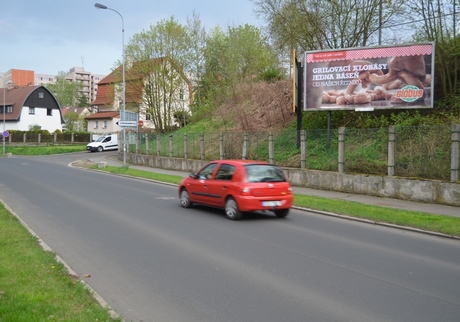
<point>50,36</point>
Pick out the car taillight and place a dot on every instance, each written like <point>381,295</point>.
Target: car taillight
<point>245,191</point>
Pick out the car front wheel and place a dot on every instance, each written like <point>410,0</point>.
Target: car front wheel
<point>99,149</point>
<point>281,213</point>
<point>231,209</point>
<point>185,199</point>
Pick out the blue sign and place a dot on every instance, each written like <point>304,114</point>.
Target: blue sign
<point>6,134</point>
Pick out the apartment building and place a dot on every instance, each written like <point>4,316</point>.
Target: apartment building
<point>22,77</point>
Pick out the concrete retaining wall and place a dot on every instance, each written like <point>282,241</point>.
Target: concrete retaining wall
<point>429,191</point>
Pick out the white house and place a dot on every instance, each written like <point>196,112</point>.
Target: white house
<point>27,106</point>
<point>103,122</point>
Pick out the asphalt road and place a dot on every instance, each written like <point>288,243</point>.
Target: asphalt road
<point>154,261</point>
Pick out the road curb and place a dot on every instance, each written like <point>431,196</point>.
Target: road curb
<point>377,223</point>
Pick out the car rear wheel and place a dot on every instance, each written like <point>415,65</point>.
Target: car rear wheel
<point>281,213</point>
<point>185,199</point>
<point>99,149</point>
<point>231,209</point>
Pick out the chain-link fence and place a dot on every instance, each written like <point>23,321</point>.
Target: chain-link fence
<point>423,152</point>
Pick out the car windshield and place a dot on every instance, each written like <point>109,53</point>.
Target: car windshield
<point>264,173</point>
<point>99,139</point>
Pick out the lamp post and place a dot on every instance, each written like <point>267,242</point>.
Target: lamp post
<point>4,108</point>
<point>101,6</point>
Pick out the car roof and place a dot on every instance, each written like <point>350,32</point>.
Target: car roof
<point>239,162</point>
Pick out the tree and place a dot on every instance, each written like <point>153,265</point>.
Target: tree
<point>159,57</point>
<point>436,21</point>
<point>72,120</point>
<point>239,55</point>
<point>318,24</point>
<point>196,64</point>
<point>66,92</point>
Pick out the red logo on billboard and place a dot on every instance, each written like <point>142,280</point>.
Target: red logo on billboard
<point>330,55</point>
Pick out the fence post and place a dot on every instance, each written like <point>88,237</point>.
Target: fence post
<point>185,146</point>
<point>455,153</point>
<point>55,137</point>
<point>245,146</point>
<point>271,152</point>
<point>39,138</point>
<point>202,146</point>
<point>72,137</point>
<point>24,138</point>
<point>221,146</point>
<point>136,142</point>
<point>303,149</point>
<point>341,149</point>
<point>171,146</point>
<point>146,143</point>
<point>391,150</point>
<point>158,144</point>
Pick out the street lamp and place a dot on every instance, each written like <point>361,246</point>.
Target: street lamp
<point>4,108</point>
<point>101,6</point>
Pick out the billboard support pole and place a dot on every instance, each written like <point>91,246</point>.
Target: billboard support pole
<point>329,115</point>
<point>299,105</point>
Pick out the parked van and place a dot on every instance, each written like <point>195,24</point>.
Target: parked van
<point>103,143</point>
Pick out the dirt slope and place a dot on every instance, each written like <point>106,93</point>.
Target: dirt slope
<point>260,107</point>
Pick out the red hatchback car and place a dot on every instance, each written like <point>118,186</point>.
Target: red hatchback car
<point>238,186</point>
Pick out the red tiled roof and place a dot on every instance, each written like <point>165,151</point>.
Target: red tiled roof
<point>78,110</point>
<point>103,115</point>
<point>133,77</point>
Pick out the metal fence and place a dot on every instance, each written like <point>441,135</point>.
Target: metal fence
<point>38,138</point>
<point>419,152</point>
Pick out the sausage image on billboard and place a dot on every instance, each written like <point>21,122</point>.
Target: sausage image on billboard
<point>370,78</point>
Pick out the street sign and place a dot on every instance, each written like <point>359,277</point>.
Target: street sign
<point>5,134</point>
<point>127,123</point>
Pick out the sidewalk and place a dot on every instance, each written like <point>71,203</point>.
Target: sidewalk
<point>370,200</point>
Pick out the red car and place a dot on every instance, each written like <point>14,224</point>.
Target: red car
<point>238,186</point>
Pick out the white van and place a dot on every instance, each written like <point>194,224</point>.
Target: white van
<point>103,143</point>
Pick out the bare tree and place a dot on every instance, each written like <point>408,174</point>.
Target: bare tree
<point>436,21</point>
<point>318,24</point>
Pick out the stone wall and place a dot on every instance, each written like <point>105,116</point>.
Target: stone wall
<point>429,191</point>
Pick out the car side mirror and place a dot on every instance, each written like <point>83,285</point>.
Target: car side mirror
<point>193,175</point>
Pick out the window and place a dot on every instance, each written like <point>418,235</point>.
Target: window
<point>206,173</point>
<point>264,173</point>
<point>49,112</point>
<point>41,95</point>
<point>9,109</point>
<point>148,117</point>
<point>31,110</point>
<point>181,94</point>
<point>225,172</point>
<point>96,124</point>
<point>104,126</point>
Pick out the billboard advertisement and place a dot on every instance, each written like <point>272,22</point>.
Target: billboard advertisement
<point>366,79</point>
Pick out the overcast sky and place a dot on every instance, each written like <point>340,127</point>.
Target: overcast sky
<point>49,36</point>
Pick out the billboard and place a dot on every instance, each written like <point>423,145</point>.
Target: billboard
<point>370,78</point>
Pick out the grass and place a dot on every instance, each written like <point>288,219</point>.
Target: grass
<point>44,150</point>
<point>34,286</point>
